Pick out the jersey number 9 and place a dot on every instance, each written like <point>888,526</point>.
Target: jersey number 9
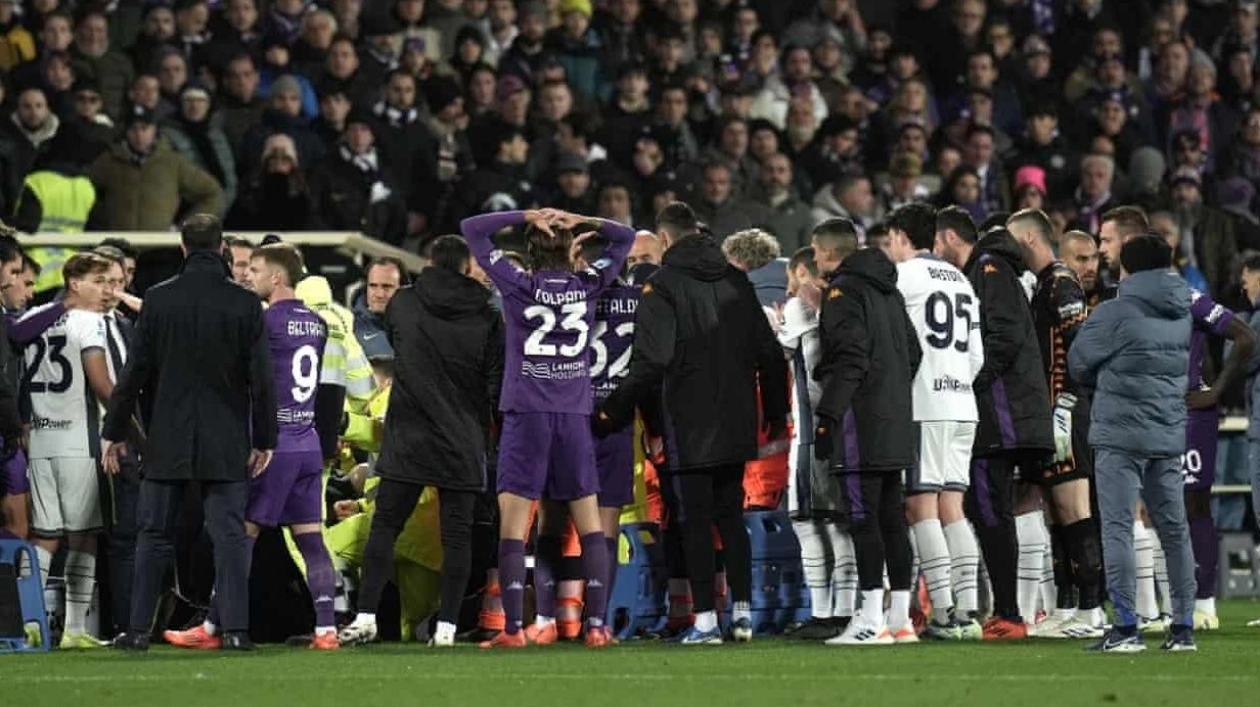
<point>305,372</point>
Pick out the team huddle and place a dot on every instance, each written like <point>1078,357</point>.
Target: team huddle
<point>959,406</point>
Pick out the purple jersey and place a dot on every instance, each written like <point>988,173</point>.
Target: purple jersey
<point>611,339</point>
<point>549,316</point>
<point>1209,318</point>
<point>297,337</point>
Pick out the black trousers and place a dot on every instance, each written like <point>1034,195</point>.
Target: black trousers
<point>158,513</point>
<point>395,501</point>
<point>122,524</point>
<point>989,505</point>
<point>873,502</point>
<point>697,500</point>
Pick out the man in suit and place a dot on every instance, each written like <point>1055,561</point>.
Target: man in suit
<point>200,365</point>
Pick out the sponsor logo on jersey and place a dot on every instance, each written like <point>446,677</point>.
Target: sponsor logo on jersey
<point>950,384</point>
<point>1071,310</point>
<point>568,370</point>
<point>495,256</point>
<point>45,424</point>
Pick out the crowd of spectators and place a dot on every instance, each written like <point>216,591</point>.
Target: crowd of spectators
<point>400,117</point>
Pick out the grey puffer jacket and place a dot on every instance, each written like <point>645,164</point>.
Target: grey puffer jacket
<point>1135,351</point>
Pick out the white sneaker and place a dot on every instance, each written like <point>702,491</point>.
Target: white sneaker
<point>441,641</point>
<point>860,633</point>
<point>1083,624</point>
<point>905,634</point>
<point>357,633</point>
<point>1050,625</point>
<point>1159,624</point>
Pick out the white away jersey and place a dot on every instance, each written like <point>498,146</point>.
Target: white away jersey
<point>946,316</point>
<point>65,416</point>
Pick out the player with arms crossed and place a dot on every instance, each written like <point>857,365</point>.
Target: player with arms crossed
<point>546,447</point>
<point>1198,464</point>
<point>290,492</point>
<point>67,379</point>
<point>945,312</point>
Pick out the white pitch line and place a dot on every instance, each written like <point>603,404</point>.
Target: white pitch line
<point>403,674</point>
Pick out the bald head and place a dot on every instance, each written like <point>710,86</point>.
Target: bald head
<point>647,248</point>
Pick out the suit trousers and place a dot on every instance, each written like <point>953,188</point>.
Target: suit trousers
<point>224,504</point>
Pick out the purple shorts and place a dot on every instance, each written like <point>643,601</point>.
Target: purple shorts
<point>289,492</point>
<point>614,458</point>
<point>13,479</point>
<point>1198,464</point>
<point>549,454</point>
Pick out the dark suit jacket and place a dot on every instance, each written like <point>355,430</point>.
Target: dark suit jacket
<point>201,362</point>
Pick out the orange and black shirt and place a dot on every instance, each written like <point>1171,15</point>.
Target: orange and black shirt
<point>1059,309</point>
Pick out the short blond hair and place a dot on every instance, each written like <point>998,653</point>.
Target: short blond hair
<point>753,247</point>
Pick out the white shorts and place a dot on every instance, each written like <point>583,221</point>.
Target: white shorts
<point>65,497</point>
<point>944,457</point>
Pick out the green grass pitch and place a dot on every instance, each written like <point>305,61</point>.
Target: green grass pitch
<point>768,673</point>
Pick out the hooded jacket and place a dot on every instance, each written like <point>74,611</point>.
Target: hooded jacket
<point>870,354</point>
<point>369,329</point>
<point>701,336</point>
<point>1135,351</point>
<point>448,358</point>
<point>1011,391</point>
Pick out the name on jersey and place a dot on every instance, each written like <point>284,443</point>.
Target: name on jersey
<point>559,298</point>
<point>560,371</point>
<point>944,274</point>
<point>306,328</point>
<point>616,305</point>
<point>950,384</point>
<point>44,424</point>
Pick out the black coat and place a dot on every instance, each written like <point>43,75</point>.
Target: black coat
<point>870,354</point>
<point>201,361</point>
<point>448,358</point>
<point>1011,389</point>
<point>702,337</point>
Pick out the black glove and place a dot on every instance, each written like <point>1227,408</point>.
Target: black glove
<point>602,424</point>
<point>823,449</point>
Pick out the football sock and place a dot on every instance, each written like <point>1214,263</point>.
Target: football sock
<point>934,562</point>
<point>844,580</point>
<point>1206,544</point>
<point>1146,603</point>
<point>1062,568</point>
<point>1202,606</point>
<point>320,578</point>
<point>547,556</point>
<point>872,612</point>
<point>595,568</point>
<point>80,579</point>
<point>1161,574</point>
<point>512,583</point>
<point>445,631</point>
<point>365,619</point>
<point>741,610</point>
<point>1032,552</point>
<point>706,621</point>
<point>1086,556</point>
<point>817,568</point>
<point>45,565</point>
<point>899,609</point>
<point>964,558</point>
<point>1049,595</point>
<point>614,561</point>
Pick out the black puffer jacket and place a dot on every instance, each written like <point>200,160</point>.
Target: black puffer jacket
<point>701,335</point>
<point>448,357</point>
<point>1011,389</point>
<point>870,354</point>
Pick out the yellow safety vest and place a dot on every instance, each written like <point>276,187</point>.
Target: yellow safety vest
<point>66,203</point>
